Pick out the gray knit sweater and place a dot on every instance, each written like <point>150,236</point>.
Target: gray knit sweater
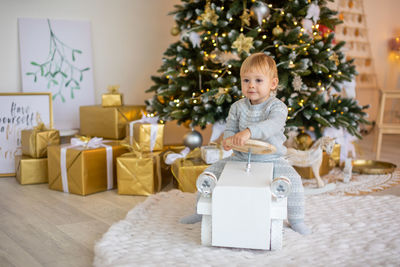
<point>266,122</point>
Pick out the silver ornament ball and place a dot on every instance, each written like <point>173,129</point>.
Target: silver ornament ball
<point>193,139</point>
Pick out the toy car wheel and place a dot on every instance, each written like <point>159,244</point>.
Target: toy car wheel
<point>276,234</point>
<point>206,230</point>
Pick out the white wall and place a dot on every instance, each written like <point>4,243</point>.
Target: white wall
<point>128,40</point>
<point>383,22</point>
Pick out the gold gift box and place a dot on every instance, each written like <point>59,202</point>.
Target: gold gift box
<point>86,168</point>
<point>306,172</point>
<point>34,143</point>
<point>139,173</point>
<point>335,155</point>
<point>111,100</point>
<point>31,170</point>
<point>142,136</point>
<point>166,172</point>
<point>186,172</point>
<point>107,122</point>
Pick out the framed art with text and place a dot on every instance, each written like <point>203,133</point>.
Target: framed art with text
<point>20,111</point>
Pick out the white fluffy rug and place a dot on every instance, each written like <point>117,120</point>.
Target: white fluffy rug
<point>347,231</point>
<point>360,184</point>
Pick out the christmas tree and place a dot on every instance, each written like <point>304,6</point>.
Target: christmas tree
<point>200,73</point>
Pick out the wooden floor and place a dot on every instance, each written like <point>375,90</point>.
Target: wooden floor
<point>41,227</point>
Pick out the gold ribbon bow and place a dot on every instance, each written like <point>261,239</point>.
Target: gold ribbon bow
<point>195,153</point>
<point>113,89</point>
<point>134,149</point>
<point>40,127</point>
<point>39,124</point>
<point>219,146</point>
<point>84,139</point>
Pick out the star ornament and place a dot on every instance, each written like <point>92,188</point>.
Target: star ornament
<point>243,43</point>
<point>209,15</point>
<point>245,18</point>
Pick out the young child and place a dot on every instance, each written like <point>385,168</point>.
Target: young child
<point>260,115</point>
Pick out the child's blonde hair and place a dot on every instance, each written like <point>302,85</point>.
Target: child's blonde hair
<point>259,62</point>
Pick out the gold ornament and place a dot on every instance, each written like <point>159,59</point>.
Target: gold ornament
<point>304,141</point>
<point>160,99</point>
<point>277,30</point>
<point>245,17</point>
<point>175,30</point>
<point>209,15</point>
<point>243,43</point>
<point>335,58</point>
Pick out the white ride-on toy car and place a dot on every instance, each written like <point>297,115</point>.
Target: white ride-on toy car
<point>245,208</point>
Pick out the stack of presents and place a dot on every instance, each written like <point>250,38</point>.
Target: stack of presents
<point>118,147</point>
<point>127,151</point>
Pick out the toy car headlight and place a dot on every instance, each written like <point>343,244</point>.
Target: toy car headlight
<point>281,187</point>
<point>205,183</point>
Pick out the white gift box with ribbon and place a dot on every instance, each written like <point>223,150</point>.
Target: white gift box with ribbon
<point>212,153</point>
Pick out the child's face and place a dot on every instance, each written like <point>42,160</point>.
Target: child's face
<point>256,86</point>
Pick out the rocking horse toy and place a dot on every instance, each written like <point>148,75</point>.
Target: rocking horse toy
<point>313,158</point>
<point>246,207</point>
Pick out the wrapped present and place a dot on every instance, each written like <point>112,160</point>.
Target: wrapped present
<point>147,133</point>
<point>335,155</point>
<point>344,139</point>
<point>166,173</point>
<point>34,142</point>
<point>213,152</point>
<point>85,166</point>
<point>186,170</point>
<point>107,122</point>
<point>306,172</point>
<point>31,170</point>
<point>139,173</point>
<point>113,98</point>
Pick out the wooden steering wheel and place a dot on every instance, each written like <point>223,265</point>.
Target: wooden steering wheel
<point>255,146</point>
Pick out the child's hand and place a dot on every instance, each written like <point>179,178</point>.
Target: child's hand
<point>238,139</point>
<point>227,142</point>
<point>241,138</point>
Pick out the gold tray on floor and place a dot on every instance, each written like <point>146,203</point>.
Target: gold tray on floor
<point>373,166</point>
